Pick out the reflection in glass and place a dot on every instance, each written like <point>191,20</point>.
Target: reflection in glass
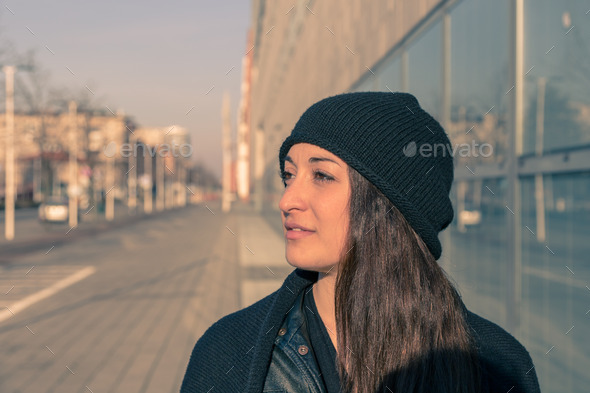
<point>556,273</point>
<point>477,254</point>
<point>368,83</point>
<point>480,85</point>
<point>557,80</point>
<point>389,76</point>
<point>424,79</point>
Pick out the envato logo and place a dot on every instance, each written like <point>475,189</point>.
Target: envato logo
<point>442,150</point>
<point>127,150</point>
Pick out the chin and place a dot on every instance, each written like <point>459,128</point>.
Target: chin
<point>311,265</point>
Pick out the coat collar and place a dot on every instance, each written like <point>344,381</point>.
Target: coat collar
<point>283,302</point>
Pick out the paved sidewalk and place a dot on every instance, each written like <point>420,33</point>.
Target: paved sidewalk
<point>158,284</point>
<point>261,254</point>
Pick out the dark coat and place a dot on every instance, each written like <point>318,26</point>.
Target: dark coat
<point>234,354</point>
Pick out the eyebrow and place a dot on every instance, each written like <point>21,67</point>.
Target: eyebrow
<point>313,160</point>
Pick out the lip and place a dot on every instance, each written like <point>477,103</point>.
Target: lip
<point>292,225</point>
<point>290,234</point>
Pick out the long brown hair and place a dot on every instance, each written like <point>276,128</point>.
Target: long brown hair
<point>401,323</point>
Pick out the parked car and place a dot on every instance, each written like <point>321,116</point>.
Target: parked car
<point>54,209</point>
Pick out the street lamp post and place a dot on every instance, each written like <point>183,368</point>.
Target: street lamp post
<point>132,176</point>
<point>73,188</point>
<point>9,178</point>
<point>110,185</point>
<point>147,182</point>
<point>9,196</point>
<point>160,181</point>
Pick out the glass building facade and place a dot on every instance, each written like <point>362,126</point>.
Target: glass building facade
<point>510,82</point>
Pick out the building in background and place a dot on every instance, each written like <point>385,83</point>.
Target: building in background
<point>116,162</point>
<point>509,81</point>
<point>160,165</point>
<point>42,148</point>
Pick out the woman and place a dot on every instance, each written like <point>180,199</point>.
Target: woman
<point>368,308</point>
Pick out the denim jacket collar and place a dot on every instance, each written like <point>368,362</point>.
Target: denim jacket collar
<point>293,366</point>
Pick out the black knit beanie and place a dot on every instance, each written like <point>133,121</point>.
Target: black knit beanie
<point>390,140</point>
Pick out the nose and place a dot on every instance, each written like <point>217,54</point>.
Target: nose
<point>293,197</point>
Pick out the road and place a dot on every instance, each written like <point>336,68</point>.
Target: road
<point>32,234</point>
<point>148,289</point>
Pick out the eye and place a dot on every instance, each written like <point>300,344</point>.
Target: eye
<point>322,177</point>
<point>285,175</point>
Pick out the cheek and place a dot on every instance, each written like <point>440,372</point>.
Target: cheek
<point>337,221</point>
<point>343,226</point>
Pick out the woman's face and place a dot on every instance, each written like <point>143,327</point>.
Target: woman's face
<point>314,207</point>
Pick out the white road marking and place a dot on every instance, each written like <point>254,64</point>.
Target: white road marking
<point>22,304</point>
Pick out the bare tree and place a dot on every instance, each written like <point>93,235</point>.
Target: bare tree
<point>33,97</point>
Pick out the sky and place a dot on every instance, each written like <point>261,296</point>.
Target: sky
<point>162,63</point>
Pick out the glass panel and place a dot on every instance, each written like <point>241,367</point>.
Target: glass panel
<point>425,70</point>
<point>368,84</point>
<point>477,259</point>
<point>556,275</point>
<point>389,76</point>
<point>480,85</point>
<point>557,81</point>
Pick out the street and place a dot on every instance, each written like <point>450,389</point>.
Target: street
<point>130,322</point>
<point>32,234</point>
